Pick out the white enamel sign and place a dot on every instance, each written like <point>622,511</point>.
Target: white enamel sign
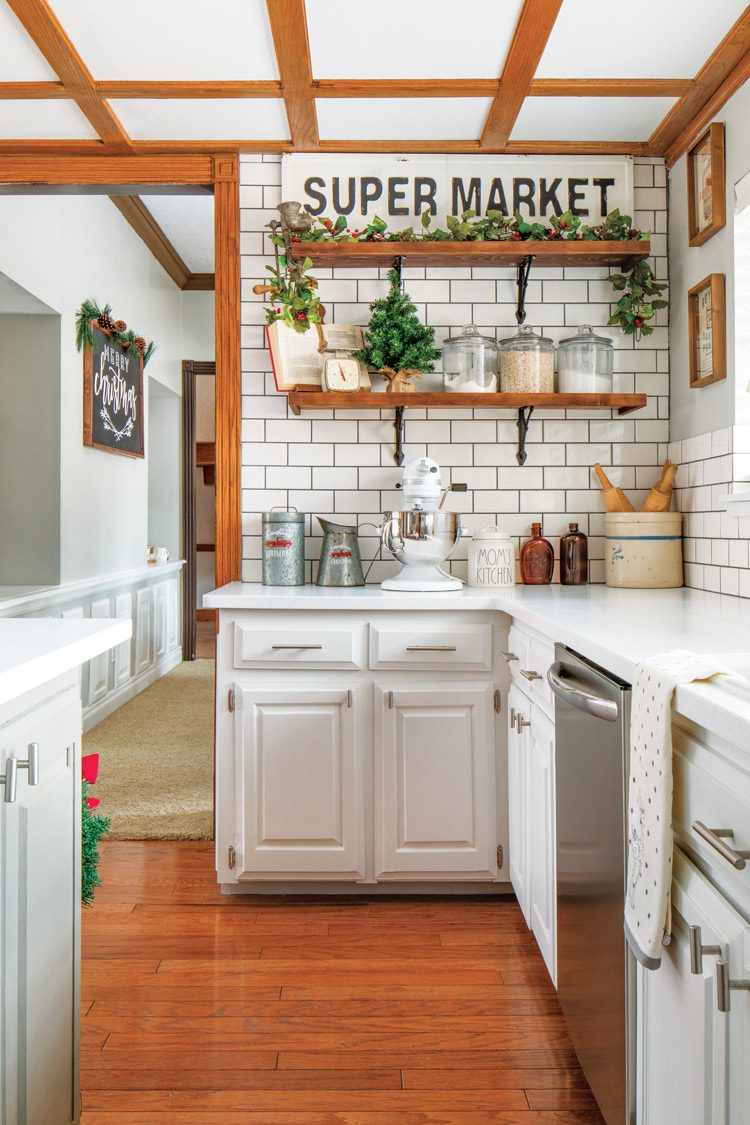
<point>400,188</point>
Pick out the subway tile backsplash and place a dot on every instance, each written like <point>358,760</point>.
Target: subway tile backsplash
<point>340,464</point>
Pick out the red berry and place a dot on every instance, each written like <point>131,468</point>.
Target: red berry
<point>638,322</point>
<point>633,233</point>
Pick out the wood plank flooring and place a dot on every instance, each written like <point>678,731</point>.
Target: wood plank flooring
<point>200,1009</point>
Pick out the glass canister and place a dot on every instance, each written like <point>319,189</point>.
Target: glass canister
<point>470,362</point>
<point>584,363</point>
<point>527,363</point>
<point>283,547</point>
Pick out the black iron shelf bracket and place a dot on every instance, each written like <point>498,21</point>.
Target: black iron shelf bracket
<point>524,417</point>
<point>399,428</point>
<point>398,265</point>
<point>522,282</point>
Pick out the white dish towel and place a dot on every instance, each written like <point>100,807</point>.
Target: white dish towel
<point>649,807</point>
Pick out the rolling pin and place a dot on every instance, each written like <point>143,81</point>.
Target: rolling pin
<point>659,498</point>
<point>614,499</point>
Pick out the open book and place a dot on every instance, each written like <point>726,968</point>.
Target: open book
<point>295,357</point>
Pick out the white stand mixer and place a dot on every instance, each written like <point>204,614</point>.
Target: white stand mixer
<point>422,537</point>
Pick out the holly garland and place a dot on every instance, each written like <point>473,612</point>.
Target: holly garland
<point>640,290</point>
<point>293,296</point>
<point>118,330</point>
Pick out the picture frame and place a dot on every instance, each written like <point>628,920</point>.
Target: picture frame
<point>706,176</point>
<point>707,331</point>
<point>112,396</point>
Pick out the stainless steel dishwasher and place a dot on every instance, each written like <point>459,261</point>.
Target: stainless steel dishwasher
<point>595,970</point>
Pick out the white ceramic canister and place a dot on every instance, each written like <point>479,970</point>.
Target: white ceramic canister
<point>643,550</point>
<point>492,559</point>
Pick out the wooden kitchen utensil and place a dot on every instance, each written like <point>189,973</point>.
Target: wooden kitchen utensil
<point>659,498</point>
<point>614,499</point>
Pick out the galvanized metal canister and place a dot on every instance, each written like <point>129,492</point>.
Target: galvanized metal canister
<point>283,547</point>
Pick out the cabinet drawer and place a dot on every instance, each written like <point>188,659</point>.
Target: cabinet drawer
<point>296,647</point>
<point>711,790</point>
<point>465,648</point>
<point>528,659</point>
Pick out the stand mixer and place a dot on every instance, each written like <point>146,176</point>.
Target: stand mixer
<point>422,537</point>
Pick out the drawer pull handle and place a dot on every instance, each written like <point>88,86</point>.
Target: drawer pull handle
<point>297,648</point>
<point>508,656</point>
<point>521,723</point>
<point>529,675</point>
<point>10,780</point>
<point>32,763</point>
<point>430,648</point>
<point>512,721</point>
<point>715,837</point>
<point>698,951</point>
<point>725,986</point>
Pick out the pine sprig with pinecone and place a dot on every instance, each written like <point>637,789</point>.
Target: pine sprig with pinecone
<point>396,341</point>
<point>133,345</point>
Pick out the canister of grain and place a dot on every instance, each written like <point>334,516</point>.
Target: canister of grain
<point>527,363</point>
<point>643,550</point>
<point>283,547</point>
<point>492,559</point>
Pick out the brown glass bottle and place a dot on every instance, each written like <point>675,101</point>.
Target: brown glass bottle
<point>574,557</point>
<point>537,558</point>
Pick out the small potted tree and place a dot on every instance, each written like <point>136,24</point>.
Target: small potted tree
<point>397,344</point>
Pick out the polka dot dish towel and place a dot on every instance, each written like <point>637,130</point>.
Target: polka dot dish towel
<point>647,902</point>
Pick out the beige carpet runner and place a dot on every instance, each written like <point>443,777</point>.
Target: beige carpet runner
<point>156,759</point>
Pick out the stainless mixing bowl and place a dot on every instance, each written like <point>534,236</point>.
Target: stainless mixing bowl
<point>421,538</point>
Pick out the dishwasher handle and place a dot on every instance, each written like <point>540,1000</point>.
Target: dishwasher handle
<point>577,694</point>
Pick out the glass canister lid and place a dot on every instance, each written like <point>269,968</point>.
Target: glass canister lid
<point>586,335</point>
<point>470,337</point>
<point>526,337</point>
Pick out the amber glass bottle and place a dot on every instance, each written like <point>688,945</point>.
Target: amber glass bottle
<point>537,558</point>
<point>574,557</point>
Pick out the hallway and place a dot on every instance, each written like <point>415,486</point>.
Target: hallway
<point>200,1009</point>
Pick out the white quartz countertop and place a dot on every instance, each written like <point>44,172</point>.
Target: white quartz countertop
<point>614,628</point>
<point>34,651</point>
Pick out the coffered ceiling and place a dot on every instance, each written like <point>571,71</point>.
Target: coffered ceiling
<point>284,75</point>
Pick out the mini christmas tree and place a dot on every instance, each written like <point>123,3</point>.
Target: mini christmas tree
<point>396,342</point>
<point>93,827</point>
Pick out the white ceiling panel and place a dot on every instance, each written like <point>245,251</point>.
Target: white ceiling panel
<point>172,40</point>
<point>409,38</point>
<point>188,222</point>
<point>20,61</point>
<point>43,120</point>
<point>185,119</point>
<point>590,119</point>
<point>375,119</point>
<point>662,39</point>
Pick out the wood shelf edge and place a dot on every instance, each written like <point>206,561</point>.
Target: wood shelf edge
<point>568,253</point>
<point>441,400</point>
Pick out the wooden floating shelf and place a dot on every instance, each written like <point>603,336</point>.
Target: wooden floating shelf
<point>363,254</point>
<point>447,400</point>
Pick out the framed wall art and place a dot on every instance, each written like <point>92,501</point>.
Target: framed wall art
<point>707,331</point>
<point>112,395</point>
<point>707,210</point>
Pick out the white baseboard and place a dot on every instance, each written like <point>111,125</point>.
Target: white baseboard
<point>115,699</point>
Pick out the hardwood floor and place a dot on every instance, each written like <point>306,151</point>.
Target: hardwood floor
<point>200,1009</point>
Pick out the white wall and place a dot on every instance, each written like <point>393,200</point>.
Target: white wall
<point>705,409</point>
<point>198,325</point>
<point>164,453</point>
<point>63,249</point>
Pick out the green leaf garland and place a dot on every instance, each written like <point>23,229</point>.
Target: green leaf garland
<point>131,344</point>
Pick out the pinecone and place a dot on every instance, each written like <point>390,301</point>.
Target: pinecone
<point>140,343</point>
<point>105,321</point>
<point>120,326</point>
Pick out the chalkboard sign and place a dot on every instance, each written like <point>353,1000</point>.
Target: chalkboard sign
<point>112,396</point>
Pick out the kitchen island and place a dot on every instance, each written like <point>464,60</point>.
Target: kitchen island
<point>40,841</point>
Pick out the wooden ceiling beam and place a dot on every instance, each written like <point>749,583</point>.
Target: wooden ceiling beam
<point>729,55</point>
<point>32,91</point>
<point>610,87</point>
<point>406,87</point>
<point>289,30</point>
<point>527,46</point>
<point>189,89</point>
<point>61,168</point>
<point>739,76</point>
<point>200,282</point>
<point>49,37</point>
<point>135,211</point>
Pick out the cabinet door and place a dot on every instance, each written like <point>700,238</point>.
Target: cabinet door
<point>541,835</point>
<point>98,681</point>
<point>143,638</point>
<point>685,1045</point>
<point>39,920</point>
<point>123,611</point>
<point>299,792</point>
<point>435,783</point>
<point>161,620</point>
<point>518,797</point>
<point>173,614</point>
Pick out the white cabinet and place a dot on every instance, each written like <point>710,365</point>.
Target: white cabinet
<point>518,799</point>
<point>434,782</point>
<point>692,1058</point>
<point>298,783</point>
<point>541,838</point>
<point>98,682</point>
<point>40,916</point>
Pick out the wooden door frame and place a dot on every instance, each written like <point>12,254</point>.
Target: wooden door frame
<point>221,174</point>
<point>191,369</point>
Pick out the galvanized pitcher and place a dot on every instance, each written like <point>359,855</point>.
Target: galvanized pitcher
<point>340,563</point>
